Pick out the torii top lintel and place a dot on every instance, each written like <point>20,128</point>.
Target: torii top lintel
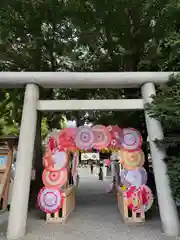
<point>82,79</point>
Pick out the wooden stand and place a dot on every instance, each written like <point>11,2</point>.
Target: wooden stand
<point>67,208</point>
<point>128,215</point>
<point>6,158</point>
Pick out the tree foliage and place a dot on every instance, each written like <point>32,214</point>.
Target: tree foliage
<point>59,35</point>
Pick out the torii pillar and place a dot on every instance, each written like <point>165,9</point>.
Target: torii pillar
<point>167,207</point>
<point>20,196</point>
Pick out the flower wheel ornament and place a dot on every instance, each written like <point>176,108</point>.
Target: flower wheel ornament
<point>135,198</point>
<point>135,178</point>
<point>131,160</point>
<point>84,138</point>
<point>130,139</point>
<point>54,179</point>
<point>50,200</point>
<point>102,137</point>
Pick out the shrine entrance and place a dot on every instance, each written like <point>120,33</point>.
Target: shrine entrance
<point>79,159</point>
<point>30,134</point>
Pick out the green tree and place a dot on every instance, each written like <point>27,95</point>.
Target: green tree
<point>35,36</point>
<point>88,36</point>
<point>44,128</point>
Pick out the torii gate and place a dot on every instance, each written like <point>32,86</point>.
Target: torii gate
<point>33,80</point>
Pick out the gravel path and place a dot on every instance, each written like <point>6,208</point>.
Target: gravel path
<point>96,217</point>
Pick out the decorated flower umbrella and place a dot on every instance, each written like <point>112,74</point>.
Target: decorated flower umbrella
<point>136,198</point>
<point>102,137</point>
<point>137,177</point>
<point>84,138</point>
<point>130,139</point>
<point>131,160</point>
<point>55,179</point>
<point>50,200</point>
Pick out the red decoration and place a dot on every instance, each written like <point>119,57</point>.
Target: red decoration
<point>48,160</point>
<point>52,144</point>
<point>115,133</point>
<point>147,197</point>
<point>66,139</point>
<point>133,198</point>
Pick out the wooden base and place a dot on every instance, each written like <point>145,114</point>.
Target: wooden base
<point>128,215</point>
<point>68,207</point>
<point>54,217</point>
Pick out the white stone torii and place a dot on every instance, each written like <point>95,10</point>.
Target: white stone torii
<point>32,105</point>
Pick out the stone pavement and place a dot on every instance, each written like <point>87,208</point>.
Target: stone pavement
<point>96,217</point>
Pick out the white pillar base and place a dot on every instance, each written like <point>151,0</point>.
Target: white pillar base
<point>167,207</point>
<point>20,195</point>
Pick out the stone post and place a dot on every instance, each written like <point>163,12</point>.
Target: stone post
<point>167,207</point>
<point>20,196</point>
